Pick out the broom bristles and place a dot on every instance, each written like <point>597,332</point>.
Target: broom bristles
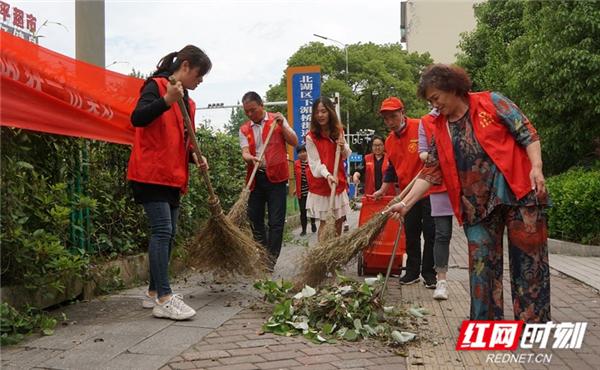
<point>333,254</point>
<point>222,247</point>
<point>329,231</point>
<point>238,214</point>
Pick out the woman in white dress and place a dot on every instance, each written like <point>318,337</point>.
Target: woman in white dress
<point>326,133</point>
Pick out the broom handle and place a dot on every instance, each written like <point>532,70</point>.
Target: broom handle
<point>192,136</point>
<point>398,234</point>
<point>260,158</point>
<point>403,193</point>
<point>392,258</point>
<point>336,166</point>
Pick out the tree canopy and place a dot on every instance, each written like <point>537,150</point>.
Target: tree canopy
<point>375,73</point>
<point>545,56</point>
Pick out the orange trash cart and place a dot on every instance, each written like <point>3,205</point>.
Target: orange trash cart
<point>375,258</point>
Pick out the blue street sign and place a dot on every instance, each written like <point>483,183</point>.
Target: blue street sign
<point>304,85</point>
<point>355,157</point>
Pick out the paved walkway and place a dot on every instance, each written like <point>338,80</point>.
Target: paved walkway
<point>114,332</point>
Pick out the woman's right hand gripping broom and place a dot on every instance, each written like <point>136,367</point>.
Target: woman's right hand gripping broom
<point>400,209</point>
<point>201,164</point>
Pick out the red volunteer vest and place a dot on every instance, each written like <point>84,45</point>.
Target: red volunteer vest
<point>495,139</point>
<point>275,157</point>
<point>428,126</point>
<point>326,149</point>
<point>370,174</point>
<point>403,152</point>
<point>298,176</point>
<point>159,154</point>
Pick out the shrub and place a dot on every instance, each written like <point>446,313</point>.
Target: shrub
<point>35,221</point>
<point>14,324</point>
<point>227,173</point>
<point>575,213</point>
<point>44,234</point>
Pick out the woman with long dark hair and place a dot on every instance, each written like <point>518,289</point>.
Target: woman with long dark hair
<point>158,166</point>
<point>326,133</point>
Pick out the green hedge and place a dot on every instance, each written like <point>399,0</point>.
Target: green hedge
<point>41,238</point>
<point>575,214</point>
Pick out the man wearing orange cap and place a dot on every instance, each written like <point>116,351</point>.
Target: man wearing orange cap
<point>402,146</point>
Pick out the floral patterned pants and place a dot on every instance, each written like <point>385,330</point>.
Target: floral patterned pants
<point>528,262</point>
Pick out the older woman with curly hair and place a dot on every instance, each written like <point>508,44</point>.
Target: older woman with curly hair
<point>488,155</point>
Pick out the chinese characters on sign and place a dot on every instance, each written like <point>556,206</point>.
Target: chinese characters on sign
<point>304,85</point>
<point>16,22</point>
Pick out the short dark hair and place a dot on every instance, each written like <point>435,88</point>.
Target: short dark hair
<point>377,137</point>
<point>252,96</point>
<point>301,148</point>
<point>449,78</point>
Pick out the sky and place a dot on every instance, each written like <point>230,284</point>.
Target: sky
<point>248,41</point>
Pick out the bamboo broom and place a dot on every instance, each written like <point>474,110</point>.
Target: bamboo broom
<point>331,255</point>
<point>329,229</point>
<point>220,245</point>
<point>238,214</point>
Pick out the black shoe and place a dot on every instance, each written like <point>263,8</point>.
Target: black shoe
<point>313,228</point>
<point>409,279</point>
<point>303,233</point>
<point>430,282</point>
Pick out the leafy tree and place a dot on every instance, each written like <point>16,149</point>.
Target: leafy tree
<point>136,73</point>
<point>544,55</point>
<point>236,119</point>
<point>375,72</point>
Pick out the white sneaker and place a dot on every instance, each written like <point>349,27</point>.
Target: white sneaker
<point>441,290</point>
<point>174,309</point>
<point>148,301</point>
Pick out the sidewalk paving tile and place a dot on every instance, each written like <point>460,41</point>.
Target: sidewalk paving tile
<point>170,341</point>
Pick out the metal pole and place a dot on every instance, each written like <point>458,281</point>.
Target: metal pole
<point>391,261</point>
<point>89,47</point>
<point>347,112</point>
<point>345,46</point>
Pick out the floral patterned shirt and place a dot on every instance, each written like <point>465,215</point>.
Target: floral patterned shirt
<point>483,185</point>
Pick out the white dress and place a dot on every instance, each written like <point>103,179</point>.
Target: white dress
<point>317,206</point>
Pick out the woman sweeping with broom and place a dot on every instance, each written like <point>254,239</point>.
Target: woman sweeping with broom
<point>158,166</point>
<point>488,155</point>
<point>327,197</point>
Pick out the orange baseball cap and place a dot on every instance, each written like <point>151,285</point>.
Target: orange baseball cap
<point>390,104</point>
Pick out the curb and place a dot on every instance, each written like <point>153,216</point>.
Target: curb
<point>572,249</point>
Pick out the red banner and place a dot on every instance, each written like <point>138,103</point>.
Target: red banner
<point>45,91</point>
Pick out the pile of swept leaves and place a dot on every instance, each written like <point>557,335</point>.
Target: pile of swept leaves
<point>347,310</point>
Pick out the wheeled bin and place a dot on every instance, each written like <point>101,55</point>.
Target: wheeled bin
<point>375,258</point>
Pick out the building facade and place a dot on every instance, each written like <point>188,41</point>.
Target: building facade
<point>434,26</point>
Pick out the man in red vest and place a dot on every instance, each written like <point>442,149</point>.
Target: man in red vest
<point>270,183</point>
<point>401,147</point>
<point>374,165</point>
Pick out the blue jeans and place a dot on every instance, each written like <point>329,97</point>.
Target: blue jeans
<point>274,195</point>
<point>163,222</point>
